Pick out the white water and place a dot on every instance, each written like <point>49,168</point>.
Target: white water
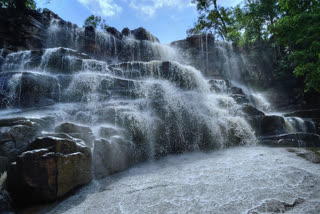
<point>165,106</point>
<point>231,181</point>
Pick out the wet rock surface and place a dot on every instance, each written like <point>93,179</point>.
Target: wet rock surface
<point>310,154</point>
<point>112,156</point>
<point>49,169</point>
<point>6,206</point>
<point>17,133</point>
<point>236,180</point>
<point>295,140</point>
<point>275,206</point>
<point>312,113</point>
<point>82,132</point>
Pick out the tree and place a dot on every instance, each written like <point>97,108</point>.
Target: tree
<point>215,20</point>
<point>20,5</point>
<point>243,25</point>
<point>96,22</point>
<point>298,30</point>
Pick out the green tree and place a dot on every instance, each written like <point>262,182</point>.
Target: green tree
<point>215,20</point>
<point>95,21</point>
<point>243,25</point>
<point>298,30</point>
<point>18,4</point>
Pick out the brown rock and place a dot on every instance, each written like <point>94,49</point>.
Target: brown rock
<point>50,169</point>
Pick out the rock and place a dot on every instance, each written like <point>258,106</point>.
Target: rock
<point>236,90</point>
<point>109,131</point>
<point>275,206</point>
<point>240,99</point>
<point>111,156</point>
<point>38,90</point>
<point>143,34</point>
<point>125,32</point>
<point>272,125</point>
<point>3,164</point>
<point>82,132</point>
<point>49,169</point>
<point>28,90</point>
<point>312,154</point>
<point>218,85</point>
<point>313,113</point>
<point>293,140</point>
<point>16,133</point>
<point>5,203</point>
<point>113,31</point>
<point>252,111</point>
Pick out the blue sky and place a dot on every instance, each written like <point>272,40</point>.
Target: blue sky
<point>166,19</point>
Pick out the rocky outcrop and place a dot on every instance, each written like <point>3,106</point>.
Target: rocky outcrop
<point>112,156</point>
<point>46,30</point>
<point>312,113</point>
<point>293,140</point>
<point>50,168</point>
<point>310,154</point>
<point>17,133</point>
<point>31,27</point>
<point>5,203</point>
<point>252,111</point>
<point>143,34</point>
<point>81,132</point>
<point>202,53</point>
<point>275,206</point>
<point>28,90</point>
<point>272,125</point>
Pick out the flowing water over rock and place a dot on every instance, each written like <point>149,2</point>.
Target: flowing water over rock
<point>238,180</point>
<point>164,106</point>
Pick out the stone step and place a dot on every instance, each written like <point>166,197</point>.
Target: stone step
<point>292,140</point>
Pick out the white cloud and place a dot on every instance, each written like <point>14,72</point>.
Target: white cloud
<point>150,7</point>
<point>102,7</point>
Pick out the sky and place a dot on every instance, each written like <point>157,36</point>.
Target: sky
<point>166,19</point>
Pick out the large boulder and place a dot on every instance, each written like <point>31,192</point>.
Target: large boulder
<point>50,168</point>
<point>112,156</point>
<point>252,111</point>
<point>272,125</point>
<point>16,133</point>
<point>143,34</point>
<point>82,132</point>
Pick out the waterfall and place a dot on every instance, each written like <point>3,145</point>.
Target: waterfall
<point>106,46</point>
<point>161,107</point>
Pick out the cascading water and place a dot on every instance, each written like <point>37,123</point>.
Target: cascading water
<point>165,107</point>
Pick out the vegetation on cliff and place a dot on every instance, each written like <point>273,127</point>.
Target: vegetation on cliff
<point>96,22</point>
<point>18,4</point>
<point>291,27</point>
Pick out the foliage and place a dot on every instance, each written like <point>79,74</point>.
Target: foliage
<point>19,4</point>
<point>96,22</point>
<point>299,31</point>
<point>293,25</point>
